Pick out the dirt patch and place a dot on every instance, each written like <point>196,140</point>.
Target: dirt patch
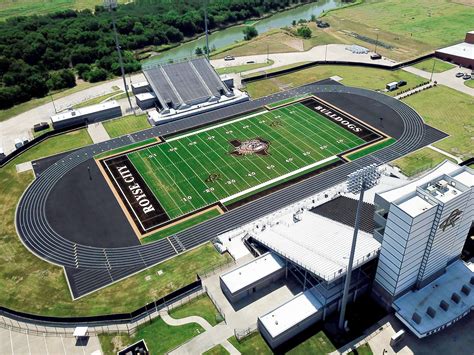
<point>464,2</point>
<point>295,43</point>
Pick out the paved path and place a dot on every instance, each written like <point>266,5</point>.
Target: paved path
<point>447,78</point>
<point>414,90</point>
<point>97,132</point>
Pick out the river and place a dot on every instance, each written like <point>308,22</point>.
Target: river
<point>220,39</point>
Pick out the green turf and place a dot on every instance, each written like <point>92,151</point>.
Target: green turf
<point>469,83</point>
<point>181,226</point>
<point>439,65</point>
<point>317,344</point>
<point>419,161</point>
<point>368,78</point>
<point>450,111</point>
<point>159,337</point>
<point>126,125</point>
<point>253,344</point>
<point>364,349</point>
<point>125,148</point>
<point>176,171</point>
<point>216,350</point>
<point>242,68</point>
<point>200,306</point>
<point>371,149</point>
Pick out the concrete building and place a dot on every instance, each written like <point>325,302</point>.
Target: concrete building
<point>86,115</point>
<point>251,277</point>
<point>461,53</point>
<point>140,87</point>
<point>423,226</point>
<point>145,100</point>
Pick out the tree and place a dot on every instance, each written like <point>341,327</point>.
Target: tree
<point>96,74</point>
<point>250,32</point>
<point>82,69</point>
<point>198,51</point>
<point>304,31</point>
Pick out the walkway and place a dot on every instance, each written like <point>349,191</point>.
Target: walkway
<point>97,132</point>
<point>447,78</point>
<point>205,341</point>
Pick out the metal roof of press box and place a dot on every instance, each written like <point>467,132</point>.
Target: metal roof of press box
<point>83,111</point>
<point>319,245</point>
<point>290,313</point>
<point>251,272</point>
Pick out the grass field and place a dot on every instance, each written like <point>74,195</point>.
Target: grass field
<point>439,65</point>
<point>369,78</point>
<point>419,161</point>
<point>125,125</point>
<point>200,306</point>
<point>364,349</point>
<point>242,68</point>
<point>159,337</point>
<point>178,172</point>
<point>450,111</point>
<point>317,344</point>
<point>99,99</point>
<point>216,350</point>
<point>469,83</point>
<point>253,344</point>
<point>10,8</point>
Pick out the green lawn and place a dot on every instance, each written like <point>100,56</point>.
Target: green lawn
<point>43,289</point>
<point>369,78</point>
<point>439,65</point>
<point>243,67</point>
<point>469,83</point>
<point>450,111</point>
<point>125,125</point>
<point>318,344</point>
<point>159,337</point>
<point>178,172</point>
<point>253,344</point>
<point>216,350</point>
<point>10,8</point>
<point>362,350</point>
<point>98,99</point>
<point>126,148</point>
<point>181,226</point>
<point>371,149</point>
<point>419,161</point>
<point>200,306</point>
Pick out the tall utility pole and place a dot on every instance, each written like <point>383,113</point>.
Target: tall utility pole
<point>432,69</point>
<point>111,5</point>
<point>357,182</point>
<point>376,42</point>
<point>206,30</point>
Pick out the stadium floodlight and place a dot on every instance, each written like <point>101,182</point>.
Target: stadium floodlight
<point>357,182</point>
<point>111,5</point>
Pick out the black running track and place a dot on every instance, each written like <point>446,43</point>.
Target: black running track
<point>89,268</point>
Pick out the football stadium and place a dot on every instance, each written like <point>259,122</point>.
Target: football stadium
<point>225,163</point>
<point>111,209</point>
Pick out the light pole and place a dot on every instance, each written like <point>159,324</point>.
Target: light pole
<point>432,69</point>
<point>111,5</point>
<point>357,182</point>
<point>206,30</point>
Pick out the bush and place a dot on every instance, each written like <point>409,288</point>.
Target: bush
<point>62,79</point>
<point>96,74</point>
<point>250,32</point>
<point>304,31</point>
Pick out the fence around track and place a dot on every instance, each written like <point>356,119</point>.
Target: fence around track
<point>25,322</point>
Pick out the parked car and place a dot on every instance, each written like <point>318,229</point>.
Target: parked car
<point>466,77</point>
<point>18,143</point>
<point>459,75</point>
<point>402,83</point>
<point>375,56</point>
<point>229,57</point>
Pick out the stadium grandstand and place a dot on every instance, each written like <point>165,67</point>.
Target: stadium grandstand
<point>183,89</point>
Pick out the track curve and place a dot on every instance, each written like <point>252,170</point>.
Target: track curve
<point>37,234</point>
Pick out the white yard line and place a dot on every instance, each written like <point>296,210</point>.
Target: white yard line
<point>216,126</point>
<point>269,182</point>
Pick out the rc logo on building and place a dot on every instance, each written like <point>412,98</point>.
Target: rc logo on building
<point>451,219</point>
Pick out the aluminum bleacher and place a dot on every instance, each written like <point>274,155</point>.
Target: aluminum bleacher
<point>184,84</point>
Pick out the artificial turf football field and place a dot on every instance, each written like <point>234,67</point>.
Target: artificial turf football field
<point>194,170</point>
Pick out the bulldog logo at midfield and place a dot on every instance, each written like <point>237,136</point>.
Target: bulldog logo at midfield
<point>256,146</point>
